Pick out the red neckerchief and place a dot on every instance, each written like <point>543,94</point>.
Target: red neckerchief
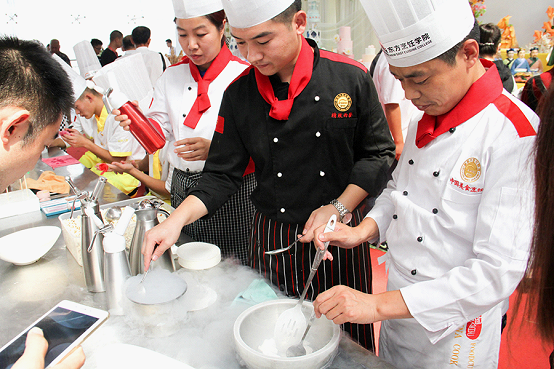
<point>481,93</point>
<point>202,102</point>
<point>280,109</point>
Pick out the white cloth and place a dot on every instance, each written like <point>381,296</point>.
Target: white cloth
<point>153,62</point>
<point>390,91</point>
<point>456,254</point>
<point>185,9</point>
<point>174,95</point>
<point>116,140</point>
<point>130,52</point>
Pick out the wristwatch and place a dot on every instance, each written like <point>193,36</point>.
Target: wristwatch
<point>344,213</point>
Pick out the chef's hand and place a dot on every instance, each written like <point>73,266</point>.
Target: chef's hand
<point>75,138</point>
<point>192,149</point>
<point>35,350</point>
<point>122,167</point>
<point>343,304</point>
<point>348,237</point>
<point>164,235</point>
<point>316,225</point>
<point>123,119</point>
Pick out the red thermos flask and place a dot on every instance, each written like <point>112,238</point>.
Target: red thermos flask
<point>141,128</point>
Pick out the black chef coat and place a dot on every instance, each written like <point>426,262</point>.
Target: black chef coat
<point>336,135</point>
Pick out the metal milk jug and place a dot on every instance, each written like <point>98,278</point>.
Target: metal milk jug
<point>91,242</point>
<point>146,219</point>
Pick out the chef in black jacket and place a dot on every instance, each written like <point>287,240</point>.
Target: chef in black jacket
<point>312,123</point>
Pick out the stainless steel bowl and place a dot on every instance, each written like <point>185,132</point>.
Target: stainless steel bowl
<point>253,332</point>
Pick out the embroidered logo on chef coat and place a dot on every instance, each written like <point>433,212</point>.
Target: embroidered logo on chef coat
<point>343,102</point>
<point>470,170</point>
<point>473,328</point>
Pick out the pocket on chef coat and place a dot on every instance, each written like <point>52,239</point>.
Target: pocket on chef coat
<point>461,197</point>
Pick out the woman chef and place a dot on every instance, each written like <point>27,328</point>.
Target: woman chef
<point>185,105</point>
<point>457,213</point>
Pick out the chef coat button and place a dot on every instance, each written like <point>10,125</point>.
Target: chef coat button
<point>419,239</point>
<point>187,170</point>
<point>317,134</point>
<point>322,173</point>
<point>190,88</point>
<point>414,272</point>
<point>282,210</point>
<point>316,98</point>
<point>452,130</point>
<point>436,173</point>
<point>184,115</point>
<point>279,174</point>
<point>275,140</point>
<point>435,211</point>
<point>405,193</point>
<point>394,216</point>
<point>411,162</point>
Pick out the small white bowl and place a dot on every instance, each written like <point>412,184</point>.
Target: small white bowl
<point>28,245</point>
<point>198,255</point>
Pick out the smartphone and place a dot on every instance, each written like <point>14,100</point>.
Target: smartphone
<point>65,326</point>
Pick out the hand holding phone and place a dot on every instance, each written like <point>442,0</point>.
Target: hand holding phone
<point>62,329</point>
<point>35,350</point>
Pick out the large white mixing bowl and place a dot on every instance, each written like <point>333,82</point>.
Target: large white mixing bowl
<point>254,328</point>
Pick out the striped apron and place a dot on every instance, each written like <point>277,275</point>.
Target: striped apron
<point>229,227</point>
<point>290,269</point>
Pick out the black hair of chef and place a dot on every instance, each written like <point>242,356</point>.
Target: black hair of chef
<point>286,15</point>
<point>30,78</point>
<point>449,56</point>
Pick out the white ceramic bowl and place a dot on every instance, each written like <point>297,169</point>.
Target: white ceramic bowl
<point>198,255</point>
<point>28,245</point>
<point>254,329</point>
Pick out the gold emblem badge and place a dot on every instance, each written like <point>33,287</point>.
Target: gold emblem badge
<point>343,102</point>
<point>471,170</point>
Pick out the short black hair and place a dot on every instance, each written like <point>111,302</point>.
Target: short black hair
<point>168,40</point>
<point>115,35</point>
<point>95,42</point>
<point>490,35</point>
<point>286,15</point>
<point>128,42</point>
<point>449,56</point>
<point>140,35</point>
<point>31,79</point>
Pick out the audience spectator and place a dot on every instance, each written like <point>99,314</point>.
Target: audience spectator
<point>156,63</point>
<point>110,54</point>
<point>128,46</point>
<point>489,45</point>
<point>55,49</point>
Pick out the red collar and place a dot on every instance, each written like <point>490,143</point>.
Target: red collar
<point>202,102</point>
<point>280,109</point>
<point>481,93</point>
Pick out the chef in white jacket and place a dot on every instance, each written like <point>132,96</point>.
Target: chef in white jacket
<point>457,213</point>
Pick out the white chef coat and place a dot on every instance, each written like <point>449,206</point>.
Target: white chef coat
<point>457,216</point>
<point>153,62</point>
<point>174,95</point>
<point>390,91</point>
<point>116,140</point>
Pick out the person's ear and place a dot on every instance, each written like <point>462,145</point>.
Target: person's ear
<point>14,124</point>
<point>470,52</point>
<point>148,42</point>
<point>300,22</point>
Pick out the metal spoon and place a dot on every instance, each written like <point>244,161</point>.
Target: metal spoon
<point>113,214</point>
<point>299,349</point>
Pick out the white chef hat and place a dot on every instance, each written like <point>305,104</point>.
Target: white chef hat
<point>185,9</point>
<point>249,13</point>
<point>86,59</point>
<point>412,32</point>
<point>79,84</point>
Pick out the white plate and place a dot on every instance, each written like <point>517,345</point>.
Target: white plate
<point>121,355</point>
<point>28,245</point>
<point>198,255</point>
